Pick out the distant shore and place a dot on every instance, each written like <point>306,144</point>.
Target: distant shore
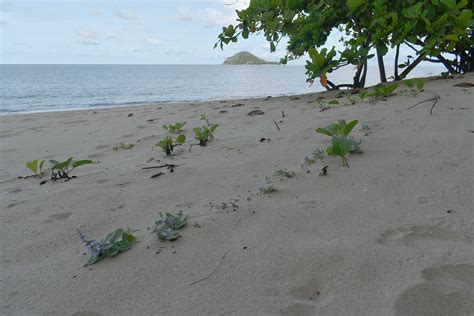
<point>391,234</point>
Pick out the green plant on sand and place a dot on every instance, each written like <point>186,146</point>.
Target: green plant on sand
<point>176,128</point>
<point>120,240</point>
<point>168,226</point>
<point>168,143</point>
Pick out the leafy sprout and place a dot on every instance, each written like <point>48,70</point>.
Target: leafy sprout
<point>120,240</point>
<point>340,146</point>
<point>205,118</point>
<point>168,226</point>
<point>176,128</point>
<point>341,128</point>
<point>383,91</point>
<point>283,173</point>
<point>205,134</point>
<point>36,168</point>
<point>266,186</point>
<point>416,82</point>
<point>64,169</point>
<point>168,143</point>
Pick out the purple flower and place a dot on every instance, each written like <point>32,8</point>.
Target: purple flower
<point>94,246</point>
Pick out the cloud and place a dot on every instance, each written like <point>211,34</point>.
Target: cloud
<point>126,14</point>
<point>95,13</point>
<point>235,4</point>
<point>208,17</point>
<point>129,50</point>
<point>90,42</point>
<point>88,34</point>
<point>3,24</point>
<point>88,37</point>
<point>185,14</point>
<point>152,41</point>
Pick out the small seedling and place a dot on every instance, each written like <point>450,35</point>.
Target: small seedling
<point>383,91</point>
<point>204,134</point>
<point>417,82</point>
<point>36,168</point>
<point>283,173</point>
<point>266,186</point>
<point>338,129</point>
<point>363,94</point>
<point>340,147</point>
<point>333,102</point>
<point>205,118</point>
<point>120,240</point>
<point>168,143</point>
<point>62,170</point>
<point>176,128</point>
<point>168,226</point>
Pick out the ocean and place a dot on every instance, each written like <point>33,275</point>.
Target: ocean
<point>43,88</point>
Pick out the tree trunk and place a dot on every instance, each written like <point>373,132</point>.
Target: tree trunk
<point>395,70</point>
<point>383,77</point>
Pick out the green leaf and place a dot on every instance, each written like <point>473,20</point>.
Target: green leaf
<point>181,139</point>
<point>349,127</point>
<point>355,4</point>
<point>113,236</point>
<point>165,127</point>
<point>92,260</point>
<point>112,252</point>
<point>82,162</point>
<point>420,83</point>
<point>333,102</point>
<point>54,162</point>
<point>33,166</point>
<point>124,245</point>
<point>324,131</point>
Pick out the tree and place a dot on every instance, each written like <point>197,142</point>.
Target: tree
<point>439,31</point>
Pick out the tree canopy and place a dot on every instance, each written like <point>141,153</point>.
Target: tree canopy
<point>439,31</point>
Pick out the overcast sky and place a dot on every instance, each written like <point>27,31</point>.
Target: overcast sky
<point>112,31</point>
<point>126,32</point>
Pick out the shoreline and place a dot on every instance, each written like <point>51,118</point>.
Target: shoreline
<point>390,235</point>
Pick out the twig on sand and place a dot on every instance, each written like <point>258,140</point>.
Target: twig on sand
<point>166,165</point>
<point>434,100</point>
<point>213,271</point>
<point>278,127</point>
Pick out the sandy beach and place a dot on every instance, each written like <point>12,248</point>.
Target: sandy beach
<point>393,234</point>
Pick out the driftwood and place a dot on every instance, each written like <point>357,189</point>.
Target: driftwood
<point>434,100</point>
<point>213,271</point>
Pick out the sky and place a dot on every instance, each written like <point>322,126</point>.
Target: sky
<point>120,32</point>
<point>127,32</point>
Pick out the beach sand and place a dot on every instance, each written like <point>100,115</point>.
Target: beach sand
<point>393,234</point>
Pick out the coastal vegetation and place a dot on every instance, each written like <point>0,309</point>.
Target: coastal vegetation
<point>120,240</point>
<point>58,170</point>
<point>168,143</point>
<point>341,142</point>
<point>438,31</point>
<point>174,128</point>
<point>169,225</point>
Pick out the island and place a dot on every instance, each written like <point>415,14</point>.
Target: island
<point>246,58</point>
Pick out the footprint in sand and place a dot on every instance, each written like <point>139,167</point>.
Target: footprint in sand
<point>57,217</point>
<point>307,298</point>
<point>419,235</point>
<point>446,290</point>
